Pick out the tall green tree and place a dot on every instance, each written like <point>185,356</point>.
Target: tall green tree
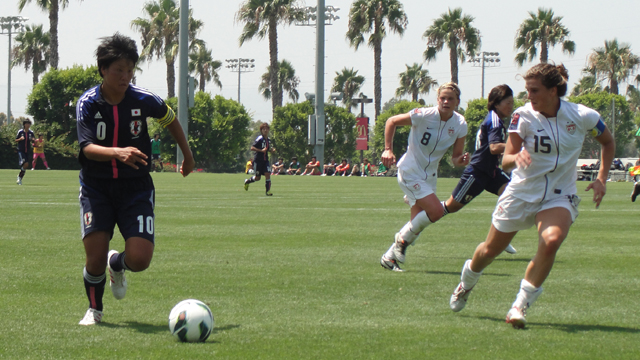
<point>261,19</point>
<point>415,81</point>
<point>286,81</point>
<point>349,83</point>
<point>614,62</point>
<point>159,33</point>
<point>340,138</point>
<point>53,8</point>
<point>401,137</point>
<point>588,84</point>
<point>32,50</point>
<point>201,64</point>
<point>454,30</point>
<point>289,129</point>
<point>377,18</point>
<point>542,29</point>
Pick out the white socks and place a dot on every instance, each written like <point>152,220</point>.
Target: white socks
<point>469,278</point>
<point>412,229</point>
<point>527,295</point>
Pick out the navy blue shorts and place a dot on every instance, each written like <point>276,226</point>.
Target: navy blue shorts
<point>262,168</point>
<point>473,182</point>
<point>23,157</point>
<point>128,203</point>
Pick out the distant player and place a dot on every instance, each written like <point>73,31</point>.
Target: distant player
<point>115,185</point>
<point>156,162</point>
<point>262,147</point>
<point>433,131</point>
<point>341,170</point>
<point>38,152</point>
<point>24,138</point>
<point>545,140</point>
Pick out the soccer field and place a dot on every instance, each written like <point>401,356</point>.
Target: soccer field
<point>297,276</point>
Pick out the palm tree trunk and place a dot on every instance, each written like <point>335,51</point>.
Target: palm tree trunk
<point>453,58</point>
<point>276,94</point>
<point>544,51</point>
<point>202,81</point>
<point>171,78</point>
<point>414,96</point>
<point>53,30</point>
<point>377,78</point>
<point>35,75</point>
<point>613,86</point>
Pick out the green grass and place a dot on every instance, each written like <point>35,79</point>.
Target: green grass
<point>296,276</point>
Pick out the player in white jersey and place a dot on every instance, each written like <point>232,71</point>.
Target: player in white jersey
<point>433,131</point>
<point>545,140</point>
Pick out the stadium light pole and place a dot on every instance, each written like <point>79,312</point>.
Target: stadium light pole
<point>241,65</point>
<point>183,76</point>
<point>486,59</point>
<point>322,16</point>
<point>7,24</point>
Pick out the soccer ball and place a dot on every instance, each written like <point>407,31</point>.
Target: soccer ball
<point>251,172</point>
<point>191,321</point>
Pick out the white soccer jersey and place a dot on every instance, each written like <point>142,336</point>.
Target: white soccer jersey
<point>554,145</point>
<point>429,139</point>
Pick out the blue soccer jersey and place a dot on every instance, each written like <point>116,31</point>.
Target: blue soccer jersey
<point>121,125</point>
<point>491,131</point>
<point>25,144</point>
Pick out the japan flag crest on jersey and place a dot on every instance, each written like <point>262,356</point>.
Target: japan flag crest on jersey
<point>135,126</point>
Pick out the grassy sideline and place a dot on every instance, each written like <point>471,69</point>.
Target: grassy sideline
<point>296,276</point>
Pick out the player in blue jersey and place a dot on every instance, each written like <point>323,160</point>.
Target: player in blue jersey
<point>24,138</point>
<point>116,188</point>
<point>262,146</point>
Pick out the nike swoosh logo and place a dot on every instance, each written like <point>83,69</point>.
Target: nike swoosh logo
<point>540,130</point>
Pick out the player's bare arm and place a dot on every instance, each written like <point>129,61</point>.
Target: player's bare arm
<point>388,158</point>
<point>129,155</point>
<point>458,158</point>
<point>497,148</point>
<point>514,154</point>
<point>608,151</point>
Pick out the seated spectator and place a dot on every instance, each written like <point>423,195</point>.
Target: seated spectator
<point>313,167</point>
<point>329,168</point>
<point>248,167</point>
<point>294,167</point>
<point>367,170</point>
<point>356,170</point>
<point>382,170</point>
<point>278,167</point>
<point>341,170</point>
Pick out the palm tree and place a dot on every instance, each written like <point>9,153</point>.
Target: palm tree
<point>32,50</point>
<point>261,19</point>
<point>159,32</point>
<point>51,6</point>
<point>542,29</point>
<point>286,81</point>
<point>588,84</point>
<point>415,81</point>
<point>349,83</point>
<point>454,30</point>
<point>614,62</point>
<point>375,17</point>
<point>202,64</point>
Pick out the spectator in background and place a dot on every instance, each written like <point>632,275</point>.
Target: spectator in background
<point>342,169</point>
<point>156,162</point>
<point>278,167</point>
<point>313,167</point>
<point>355,171</point>
<point>248,166</point>
<point>294,167</point>
<point>38,152</point>
<point>382,170</point>
<point>367,170</point>
<point>329,168</point>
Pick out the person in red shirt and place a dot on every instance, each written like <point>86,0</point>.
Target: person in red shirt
<point>342,168</point>
<point>313,167</point>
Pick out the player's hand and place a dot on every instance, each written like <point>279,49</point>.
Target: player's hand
<point>388,158</point>
<point>187,165</point>
<point>130,156</point>
<point>523,159</point>
<point>599,190</point>
<point>464,159</point>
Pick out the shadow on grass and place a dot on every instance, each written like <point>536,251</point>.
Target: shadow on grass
<point>570,328</point>
<point>434,272</point>
<point>224,328</point>
<point>139,327</point>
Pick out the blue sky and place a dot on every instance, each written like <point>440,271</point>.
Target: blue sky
<point>83,23</point>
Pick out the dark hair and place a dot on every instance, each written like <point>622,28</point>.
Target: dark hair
<point>497,94</point>
<point>344,160</point>
<point>25,122</point>
<point>264,125</point>
<point>550,76</point>
<point>294,158</point>
<point>114,48</point>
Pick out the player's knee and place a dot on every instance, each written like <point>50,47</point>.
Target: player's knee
<point>490,251</point>
<point>552,242</point>
<point>138,263</point>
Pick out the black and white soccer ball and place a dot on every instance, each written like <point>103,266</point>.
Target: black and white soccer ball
<point>191,321</point>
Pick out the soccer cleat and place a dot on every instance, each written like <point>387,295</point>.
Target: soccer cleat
<point>517,318</point>
<point>399,248</point>
<point>92,317</point>
<point>459,298</point>
<point>19,181</point>
<point>246,185</point>
<point>635,192</point>
<point>269,193</point>
<point>117,281</point>
<point>510,249</point>
<point>390,264</point>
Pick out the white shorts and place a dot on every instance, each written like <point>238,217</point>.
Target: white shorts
<point>415,187</point>
<point>513,214</point>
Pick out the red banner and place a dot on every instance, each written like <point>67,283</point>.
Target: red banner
<point>362,134</point>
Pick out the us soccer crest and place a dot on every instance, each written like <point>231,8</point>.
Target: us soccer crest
<point>88,218</point>
<point>135,126</point>
<point>451,131</point>
<point>571,128</point>
<point>416,186</point>
<point>514,122</point>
